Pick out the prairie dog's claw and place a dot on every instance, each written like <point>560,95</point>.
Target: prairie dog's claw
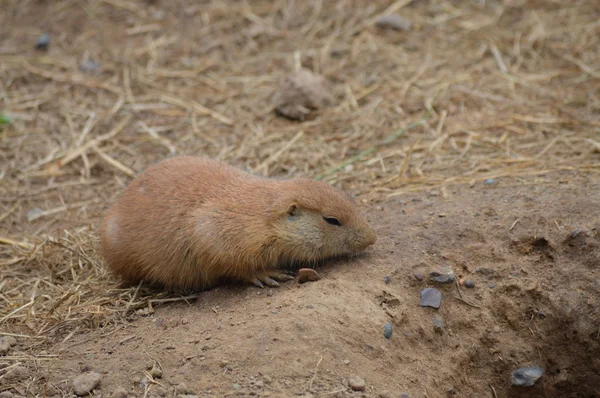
<point>289,272</point>
<point>257,282</point>
<point>269,282</point>
<point>270,278</point>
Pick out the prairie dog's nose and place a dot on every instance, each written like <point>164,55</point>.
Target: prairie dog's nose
<point>371,237</point>
<point>367,239</point>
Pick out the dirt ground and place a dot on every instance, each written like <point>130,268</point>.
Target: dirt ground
<point>470,139</point>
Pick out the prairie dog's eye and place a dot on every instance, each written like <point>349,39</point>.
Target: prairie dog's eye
<point>332,221</point>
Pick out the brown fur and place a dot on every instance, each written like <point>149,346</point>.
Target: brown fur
<point>187,222</point>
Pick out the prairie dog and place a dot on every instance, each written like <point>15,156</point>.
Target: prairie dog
<point>187,222</point>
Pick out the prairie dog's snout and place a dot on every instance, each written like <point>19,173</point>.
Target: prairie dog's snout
<point>187,222</point>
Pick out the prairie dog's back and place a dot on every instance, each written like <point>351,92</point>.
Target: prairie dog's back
<point>151,224</point>
<point>187,222</point>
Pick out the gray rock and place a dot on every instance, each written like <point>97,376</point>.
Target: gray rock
<point>489,181</point>
<point>86,382</point>
<point>89,65</point>
<point>236,386</point>
<point>387,330</point>
<point>404,395</point>
<point>431,297</point>
<point>527,376</point>
<point>444,275</point>
<point>356,383</point>
<point>301,93</point>
<point>469,284</point>
<point>394,21</point>
<point>387,280</point>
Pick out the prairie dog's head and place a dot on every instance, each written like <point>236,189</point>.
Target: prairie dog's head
<point>317,221</point>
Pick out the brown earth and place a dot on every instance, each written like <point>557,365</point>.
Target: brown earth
<point>497,178</point>
<point>530,246</point>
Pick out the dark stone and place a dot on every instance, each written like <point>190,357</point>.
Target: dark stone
<point>443,275</point>
<point>526,377</point>
<point>387,330</point>
<point>469,284</point>
<point>43,42</point>
<point>431,297</point>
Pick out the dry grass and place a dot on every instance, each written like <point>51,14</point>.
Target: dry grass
<point>477,90</point>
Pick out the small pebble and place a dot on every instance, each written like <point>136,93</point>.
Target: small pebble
<point>86,382</point>
<point>489,181</point>
<point>444,275</point>
<point>236,386</point>
<point>431,297</point>
<point>387,330</point>
<point>307,275</point>
<point>34,214</point>
<point>43,42</point>
<point>394,21</point>
<point>418,275</point>
<point>346,362</point>
<point>182,388</point>
<point>526,377</point>
<point>260,384</point>
<point>438,324</point>
<point>356,383</point>
<point>387,280</point>
<point>484,271</point>
<point>156,373</point>
<point>576,232</point>
<point>89,65</point>
<point>469,284</point>
<point>224,363</point>
<point>492,285</point>
<point>404,395</point>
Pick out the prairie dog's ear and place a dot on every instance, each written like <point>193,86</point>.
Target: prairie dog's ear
<point>292,209</point>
